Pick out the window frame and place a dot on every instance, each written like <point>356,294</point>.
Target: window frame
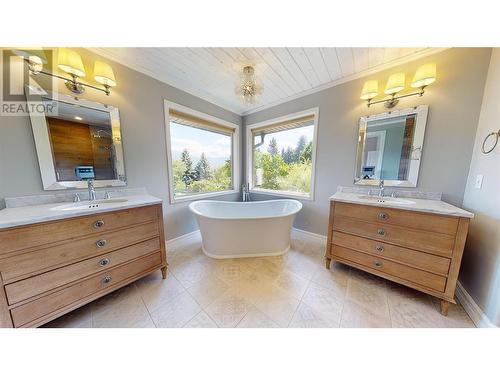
<point>235,152</point>
<point>249,155</point>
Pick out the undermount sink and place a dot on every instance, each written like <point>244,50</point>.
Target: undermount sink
<point>387,200</point>
<point>88,205</point>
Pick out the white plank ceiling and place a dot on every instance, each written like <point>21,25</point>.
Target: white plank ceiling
<point>285,73</point>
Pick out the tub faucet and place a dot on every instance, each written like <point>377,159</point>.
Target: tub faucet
<point>245,193</point>
<point>381,188</point>
<point>90,186</point>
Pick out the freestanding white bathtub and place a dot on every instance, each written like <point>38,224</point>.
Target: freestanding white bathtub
<point>245,229</point>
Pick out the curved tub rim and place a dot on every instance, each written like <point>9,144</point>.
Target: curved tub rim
<point>197,212</point>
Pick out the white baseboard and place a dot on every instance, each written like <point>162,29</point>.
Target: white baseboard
<point>178,240</point>
<point>310,235</point>
<point>190,235</point>
<point>472,309</point>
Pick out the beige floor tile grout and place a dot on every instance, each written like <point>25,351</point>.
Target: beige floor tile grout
<point>201,311</point>
<point>170,274</point>
<point>243,317</point>
<point>390,313</point>
<point>300,301</point>
<point>144,303</point>
<point>206,312</point>
<point>345,297</point>
<point>256,308</point>
<point>342,313</point>
<point>294,282</point>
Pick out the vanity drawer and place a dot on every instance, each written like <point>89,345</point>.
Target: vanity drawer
<point>435,243</point>
<point>24,289</point>
<point>19,238</point>
<point>426,279</point>
<point>424,261</point>
<point>38,261</point>
<point>29,312</point>
<point>410,219</point>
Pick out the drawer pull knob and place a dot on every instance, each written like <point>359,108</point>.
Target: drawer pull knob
<point>377,263</point>
<point>383,216</point>
<point>104,262</point>
<point>381,232</point>
<point>106,280</point>
<point>101,243</point>
<point>379,248</point>
<point>98,224</point>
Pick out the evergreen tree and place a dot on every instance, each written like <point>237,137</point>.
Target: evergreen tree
<point>186,159</point>
<point>301,144</point>
<point>189,175</point>
<point>287,155</point>
<point>306,155</point>
<point>273,147</point>
<point>203,168</point>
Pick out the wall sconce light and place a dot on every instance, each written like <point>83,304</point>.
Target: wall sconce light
<point>425,75</point>
<point>71,63</point>
<point>370,90</point>
<point>35,58</point>
<point>103,74</point>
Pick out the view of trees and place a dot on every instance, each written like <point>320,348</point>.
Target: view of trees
<point>288,170</point>
<point>201,177</point>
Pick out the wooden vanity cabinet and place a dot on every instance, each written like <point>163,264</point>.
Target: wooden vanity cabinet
<point>420,250</point>
<point>50,268</point>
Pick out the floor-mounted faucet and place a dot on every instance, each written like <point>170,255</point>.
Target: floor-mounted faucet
<point>245,192</point>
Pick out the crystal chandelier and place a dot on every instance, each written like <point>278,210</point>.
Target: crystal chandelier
<point>249,89</point>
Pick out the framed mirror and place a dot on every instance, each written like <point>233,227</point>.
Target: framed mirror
<point>77,140</point>
<point>390,147</point>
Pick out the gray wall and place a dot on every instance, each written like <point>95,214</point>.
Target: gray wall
<point>140,100</point>
<point>480,273</point>
<point>454,103</point>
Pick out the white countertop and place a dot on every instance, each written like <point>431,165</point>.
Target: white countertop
<point>11,217</point>
<point>420,205</point>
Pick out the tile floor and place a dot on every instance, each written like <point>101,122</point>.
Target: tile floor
<point>294,290</point>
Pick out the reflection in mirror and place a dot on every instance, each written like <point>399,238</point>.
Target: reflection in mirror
<point>77,141</point>
<point>389,147</point>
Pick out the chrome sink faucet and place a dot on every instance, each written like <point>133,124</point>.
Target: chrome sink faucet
<point>381,188</point>
<point>90,186</point>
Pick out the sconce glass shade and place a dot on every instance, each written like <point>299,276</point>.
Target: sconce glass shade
<point>370,90</point>
<point>395,83</point>
<point>103,74</point>
<point>70,62</point>
<point>425,75</point>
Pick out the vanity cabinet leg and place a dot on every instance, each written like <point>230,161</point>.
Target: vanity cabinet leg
<point>164,272</point>
<point>328,261</point>
<point>444,307</point>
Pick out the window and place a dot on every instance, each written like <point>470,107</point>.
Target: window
<point>281,155</point>
<point>202,154</point>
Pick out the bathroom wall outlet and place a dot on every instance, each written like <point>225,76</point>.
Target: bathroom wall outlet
<point>479,181</point>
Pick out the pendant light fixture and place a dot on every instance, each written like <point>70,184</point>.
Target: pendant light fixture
<point>249,89</point>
